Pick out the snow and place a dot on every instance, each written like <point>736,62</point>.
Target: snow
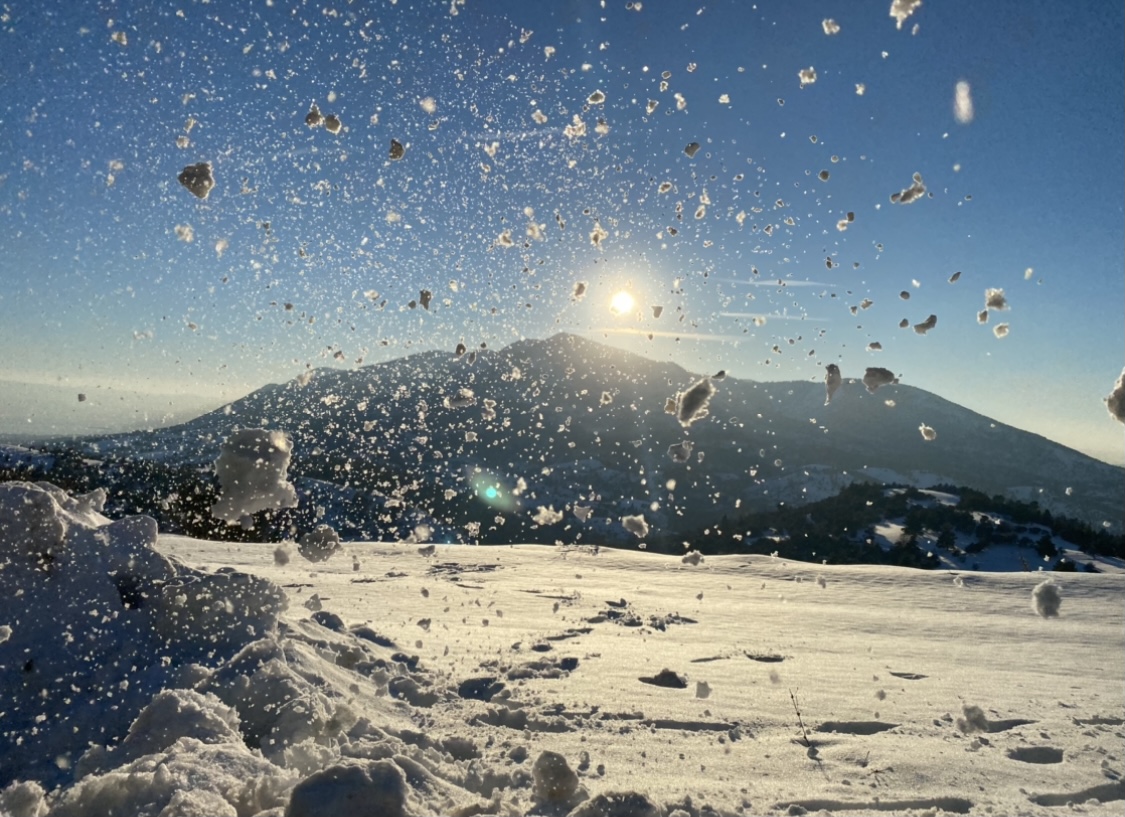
<point>191,692</point>
<point>902,9</point>
<point>252,470</point>
<point>691,404</point>
<point>1115,403</point>
<point>317,545</point>
<point>832,381</point>
<point>1046,599</point>
<point>875,377</point>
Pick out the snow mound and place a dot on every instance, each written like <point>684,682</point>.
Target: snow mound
<point>97,614</point>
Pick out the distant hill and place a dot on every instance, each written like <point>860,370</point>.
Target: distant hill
<point>487,438</point>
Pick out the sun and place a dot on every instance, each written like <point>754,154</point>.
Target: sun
<point>621,303</point>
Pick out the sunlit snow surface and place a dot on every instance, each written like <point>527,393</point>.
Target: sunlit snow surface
<point>436,683</point>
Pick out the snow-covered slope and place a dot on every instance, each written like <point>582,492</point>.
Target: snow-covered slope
<point>536,679</point>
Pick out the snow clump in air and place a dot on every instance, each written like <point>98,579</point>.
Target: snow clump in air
<point>636,525</point>
<point>546,516</point>
<point>1046,599</point>
<point>928,434</point>
<point>1000,330</point>
<point>691,404</point>
<point>926,325</point>
<point>319,544</point>
<point>994,299</point>
<point>832,381</point>
<point>875,377</point>
<point>1115,403</point>
<point>807,76</point>
<point>973,720</point>
<point>680,452</point>
<point>830,26</point>
<point>912,193</point>
<point>902,9</point>
<point>252,468</point>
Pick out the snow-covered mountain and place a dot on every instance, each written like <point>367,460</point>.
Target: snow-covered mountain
<point>567,422</point>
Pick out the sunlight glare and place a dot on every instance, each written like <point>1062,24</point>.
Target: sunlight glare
<point>621,303</point>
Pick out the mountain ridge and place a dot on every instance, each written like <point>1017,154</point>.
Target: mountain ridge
<point>580,422</point>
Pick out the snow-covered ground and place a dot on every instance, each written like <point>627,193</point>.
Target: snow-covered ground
<point>422,680</point>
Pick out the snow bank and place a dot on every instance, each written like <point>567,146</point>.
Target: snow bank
<point>100,622</point>
<point>252,472</point>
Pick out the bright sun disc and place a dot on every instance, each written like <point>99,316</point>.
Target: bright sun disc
<point>621,303</point>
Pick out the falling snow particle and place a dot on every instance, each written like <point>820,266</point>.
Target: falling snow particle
<point>692,149</point>
<point>830,26</point>
<point>875,377</point>
<point>313,118</point>
<point>910,194</point>
<point>832,381</point>
<point>953,278</point>
<point>680,452</point>
<point>1000,330</point>
<point>926,325</point>
<point>397,151</point>
<point>198,179</point>
<point>636,525</point>
<point>875,346</point>
<point>982,316</point>
<point>928,434</point>
<point>579,290</point>
<point>251,469</point>
<point>823,175</point>
<point>596,98</point>
<point>462,399</point>
<point>598,234</point>
<point>319,544</point>
<point>332,123</point>
<point>902,9</point>
<point>691,405</point>
<point>963,103</point>
<point>994,299</point>
<point>807,76</point>
<point>1115,403</point>
<point>546,516</point>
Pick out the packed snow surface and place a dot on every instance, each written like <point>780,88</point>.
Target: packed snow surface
<point>536,680</point>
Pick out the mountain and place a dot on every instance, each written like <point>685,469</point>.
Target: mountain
<point>491,436</point>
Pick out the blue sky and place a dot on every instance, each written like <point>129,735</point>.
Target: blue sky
<point>100,294</point>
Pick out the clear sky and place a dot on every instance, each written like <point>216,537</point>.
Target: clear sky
<point>103,293</point>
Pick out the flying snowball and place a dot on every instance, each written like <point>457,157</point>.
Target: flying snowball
<point>1046,599</point>
<point>252,468</point>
